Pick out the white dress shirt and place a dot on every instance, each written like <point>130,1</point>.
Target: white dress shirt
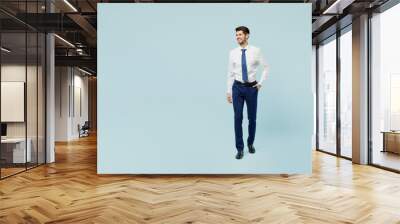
<point>254,58</point>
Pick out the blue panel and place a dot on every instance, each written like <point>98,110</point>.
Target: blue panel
<point>162,72</point>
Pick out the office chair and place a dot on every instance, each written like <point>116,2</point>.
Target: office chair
<point>84,130</point>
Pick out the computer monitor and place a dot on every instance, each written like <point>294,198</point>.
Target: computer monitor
<point>3,129</point>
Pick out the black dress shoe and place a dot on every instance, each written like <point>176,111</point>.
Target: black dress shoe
<point>251,149</point>
<point>239,154</point>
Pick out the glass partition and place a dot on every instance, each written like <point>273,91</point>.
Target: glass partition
<point>22,89</point>
<point>14,151</point>
<point>32,95</point>
<point>41,107</point>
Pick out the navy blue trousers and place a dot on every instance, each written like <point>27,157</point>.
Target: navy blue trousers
<point>240,95</point>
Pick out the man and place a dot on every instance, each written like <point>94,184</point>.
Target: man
<point>243,87</point>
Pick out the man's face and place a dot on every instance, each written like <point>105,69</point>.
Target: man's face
<point>241,37</point>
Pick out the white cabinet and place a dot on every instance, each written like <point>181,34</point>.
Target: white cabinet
<point>18,149</point>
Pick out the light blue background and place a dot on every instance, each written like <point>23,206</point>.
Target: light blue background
<point>162,72</point>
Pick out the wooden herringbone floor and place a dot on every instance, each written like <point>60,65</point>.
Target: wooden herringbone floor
<point>69,191</point>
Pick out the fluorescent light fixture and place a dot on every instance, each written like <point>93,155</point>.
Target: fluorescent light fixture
<point>5,50</point>
<point>70,5</point>
<point>80,51</point>
<point>65,41</point>
<point>331,7</point>
<point>84,71</point>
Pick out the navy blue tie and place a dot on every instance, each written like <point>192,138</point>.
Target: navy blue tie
<point>244,66</point>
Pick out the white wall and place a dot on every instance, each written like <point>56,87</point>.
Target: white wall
<point>80,103</point>
<point>16,72</point>
<point>71,93</point>
<point>33,127</point>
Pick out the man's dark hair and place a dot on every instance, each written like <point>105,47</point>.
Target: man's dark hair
<point>243,28</point>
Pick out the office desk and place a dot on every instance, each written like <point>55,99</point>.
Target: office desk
<point>13,150</point>
<point>391,141</point>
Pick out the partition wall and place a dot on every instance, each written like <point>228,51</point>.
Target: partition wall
<point>22,89</point>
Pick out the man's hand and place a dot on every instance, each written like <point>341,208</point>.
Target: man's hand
<point>258,86</point>
<point>229,97</point>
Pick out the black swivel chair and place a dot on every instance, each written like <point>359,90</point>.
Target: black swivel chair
<point>84,130</point>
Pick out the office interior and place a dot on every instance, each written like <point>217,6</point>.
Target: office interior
<point>49,79</point>
<point>37,47</point>
<point>33,63</point>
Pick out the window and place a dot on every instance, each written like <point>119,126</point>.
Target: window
<point>346,92</point>
<point>385,88</point>
<point>327,96</point>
